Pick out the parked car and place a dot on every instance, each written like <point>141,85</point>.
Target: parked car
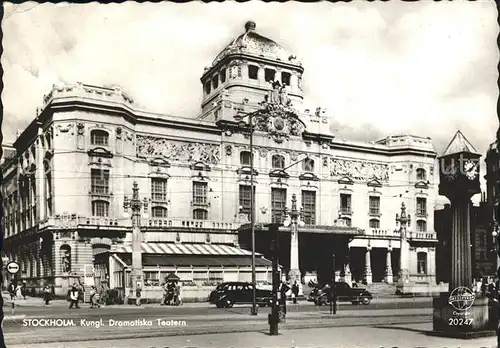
<point>345,293</point>
<point>227,294</point>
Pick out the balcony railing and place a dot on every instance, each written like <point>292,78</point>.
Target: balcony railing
<point>189,223</point>
<point>421,213</point>
<point>72,221</point>
<point>423,235</point>
<point>377,232</point>
<point>345,210</point>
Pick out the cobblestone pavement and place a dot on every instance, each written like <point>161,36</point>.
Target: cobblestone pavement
<point>378,336</point>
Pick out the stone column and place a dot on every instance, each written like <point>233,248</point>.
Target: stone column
<point>40,177</point>
<point>368,265</point>
<point>261,76</point>
<point>294,273</point>
<point>388,269</point>
<point>460,244</point>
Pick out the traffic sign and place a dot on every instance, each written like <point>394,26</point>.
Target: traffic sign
<point>12,267</point>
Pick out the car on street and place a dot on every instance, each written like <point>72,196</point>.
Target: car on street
<point>227,294</point>
<point>345,293</point>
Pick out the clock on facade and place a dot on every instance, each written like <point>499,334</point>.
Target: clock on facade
<point>470,170</point>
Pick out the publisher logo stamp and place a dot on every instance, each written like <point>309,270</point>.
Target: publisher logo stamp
<point>461,299</point>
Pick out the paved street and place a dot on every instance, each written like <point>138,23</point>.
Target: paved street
<point>196,321</point>
<point>375,336</point>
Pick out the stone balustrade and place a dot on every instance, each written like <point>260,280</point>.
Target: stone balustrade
<point>114,94</point>
<point>73,221</point>
<point>423,235</point>
<point>189,223</point>
<point>377,232</point>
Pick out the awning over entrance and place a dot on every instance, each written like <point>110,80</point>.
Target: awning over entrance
<point>153,260</point>
<point>187,255</point>
<point>186,249</point>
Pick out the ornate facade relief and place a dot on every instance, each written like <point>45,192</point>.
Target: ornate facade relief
<point>229,150</point>
<point>80,138</point>
<point>359,170</point>
<point>63,128</point>
<point>173,150</point>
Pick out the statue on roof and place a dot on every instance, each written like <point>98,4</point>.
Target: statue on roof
<point>284,99</point>
<point>274,94</point>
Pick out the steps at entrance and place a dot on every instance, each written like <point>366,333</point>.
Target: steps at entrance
<point>382,289</point>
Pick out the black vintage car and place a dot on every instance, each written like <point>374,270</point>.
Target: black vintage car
<point>344,294</point>
<point>229,293</point>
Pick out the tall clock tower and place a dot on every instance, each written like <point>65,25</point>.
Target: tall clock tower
<point>459,181</point>
<point>459,313</point>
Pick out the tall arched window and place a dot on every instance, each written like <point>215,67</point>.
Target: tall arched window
<point>159,212</point>
<point>422,262</point>
<point>99,137</point>
<point>100,208</point>
<point>278,162</point>
<point>421,175</point>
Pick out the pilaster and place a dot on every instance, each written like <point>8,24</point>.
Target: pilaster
<point>368,265</point>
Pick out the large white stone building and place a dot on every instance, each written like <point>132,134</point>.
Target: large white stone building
<point>77,161</point>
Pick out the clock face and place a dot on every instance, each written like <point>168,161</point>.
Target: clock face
<point>471,171</point>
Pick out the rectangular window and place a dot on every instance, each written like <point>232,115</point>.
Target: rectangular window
<point>99,182</point>
<point>270,74</point>
<point>99,137</point>
<point>215,276</point>
<point>200,276</point>
<point>285,78</point>
<point>278,204</point>
<point>200,214</point>
<point>100,208</point>
<point>200,192</point>
<point>374,203</point>
<point>374,223</point>
<point>245,199</point>
<point>421,207</point>
<point>159,190</point>
<point>421,226</point>
<point>215,81</point>
<point>345,204</point>
<point>159,212</point>
<point>253,72</point>
<point>309,205</point>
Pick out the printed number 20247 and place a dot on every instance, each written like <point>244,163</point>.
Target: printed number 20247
<point>460,321</point>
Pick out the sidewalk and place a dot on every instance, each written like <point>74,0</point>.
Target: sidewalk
<point>394,336</point>
<point>38,302</point>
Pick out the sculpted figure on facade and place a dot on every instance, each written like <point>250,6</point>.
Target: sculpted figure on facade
<point>274,94</point>
<point>66,261</point>
<point>359,170</point>
<point>150,147</point>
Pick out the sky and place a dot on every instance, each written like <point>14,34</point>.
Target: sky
<point>421,68</point>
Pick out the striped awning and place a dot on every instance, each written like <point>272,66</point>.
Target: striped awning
<point>186,249</point>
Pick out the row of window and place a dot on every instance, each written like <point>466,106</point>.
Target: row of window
<point>253,74</point>
<point>277,161</point>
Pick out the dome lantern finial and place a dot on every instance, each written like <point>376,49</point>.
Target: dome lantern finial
<point>249,26</point>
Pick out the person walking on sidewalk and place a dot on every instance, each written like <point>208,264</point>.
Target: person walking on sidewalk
<point>47,295</point>
<point>74,296</point>
<point>164,295</point>
<point>19,291</point>
<point>138,295</point>
<point>94,298</point>
<point>295,291</point>
<point>12,290</point>
<point>178,299</point>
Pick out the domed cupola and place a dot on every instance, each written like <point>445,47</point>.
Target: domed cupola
<point>241,75</point>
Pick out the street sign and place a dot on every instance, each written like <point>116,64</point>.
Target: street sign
<point>12,267</point>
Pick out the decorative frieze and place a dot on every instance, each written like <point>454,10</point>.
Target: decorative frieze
<point>173,150</point>
<point>63,128</point>
<point>359,170</point>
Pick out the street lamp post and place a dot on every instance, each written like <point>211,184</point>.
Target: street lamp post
<point>403,220</point>
<point>294,220</point>
<point>252,199</point>
<point>135,204</point>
